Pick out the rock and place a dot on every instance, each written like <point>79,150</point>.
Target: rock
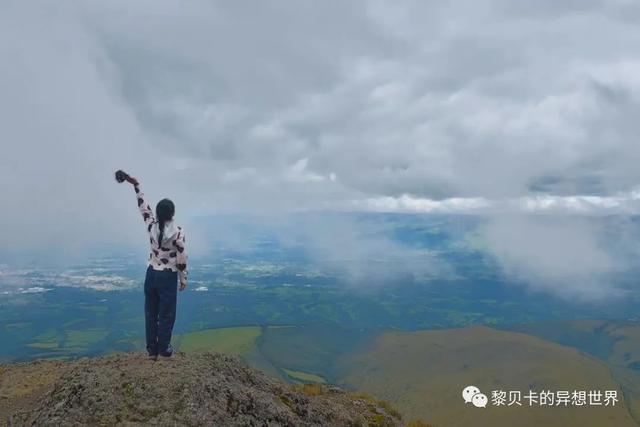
<point>192,390</point>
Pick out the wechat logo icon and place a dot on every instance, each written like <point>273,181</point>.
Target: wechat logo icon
<point>472,394</point>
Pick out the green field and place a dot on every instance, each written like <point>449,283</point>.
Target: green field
<point>236,341</point>
<point>304,377</point>
<point>423,373</point>
<point>44,345</point>
<point>616,343</point>
<point>84,338</point>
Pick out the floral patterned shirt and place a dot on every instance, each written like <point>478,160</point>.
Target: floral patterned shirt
<point>171,253</point>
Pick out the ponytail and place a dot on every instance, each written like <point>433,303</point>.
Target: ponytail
<point>161,231</point>
<point>164,212</point>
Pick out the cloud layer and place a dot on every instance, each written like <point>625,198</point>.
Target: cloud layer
<point>278,106</point>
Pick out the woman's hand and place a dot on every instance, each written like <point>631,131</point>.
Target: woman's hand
<point>183,286</point>
<point>122,176</point>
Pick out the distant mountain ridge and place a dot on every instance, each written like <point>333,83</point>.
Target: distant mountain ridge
<point>196,389</point>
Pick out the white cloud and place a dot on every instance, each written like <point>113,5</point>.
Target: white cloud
<point>407,203</point>
<point>491,106</point>
<point>556,254</point>
<point>34,290</point>
<point>627,203</point>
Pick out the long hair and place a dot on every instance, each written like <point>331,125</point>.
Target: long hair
<point>164,212</point>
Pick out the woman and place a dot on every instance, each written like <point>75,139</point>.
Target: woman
<point>167,263</point>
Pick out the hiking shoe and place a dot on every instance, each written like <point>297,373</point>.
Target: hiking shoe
<point>168,352</point>
<point>152,352</point>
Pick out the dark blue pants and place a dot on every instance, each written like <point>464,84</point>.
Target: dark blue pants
<point>160,291</point>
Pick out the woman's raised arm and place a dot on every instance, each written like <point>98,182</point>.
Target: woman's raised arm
<point>143,205</point>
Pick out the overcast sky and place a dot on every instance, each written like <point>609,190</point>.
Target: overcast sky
<point>504,108</point>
